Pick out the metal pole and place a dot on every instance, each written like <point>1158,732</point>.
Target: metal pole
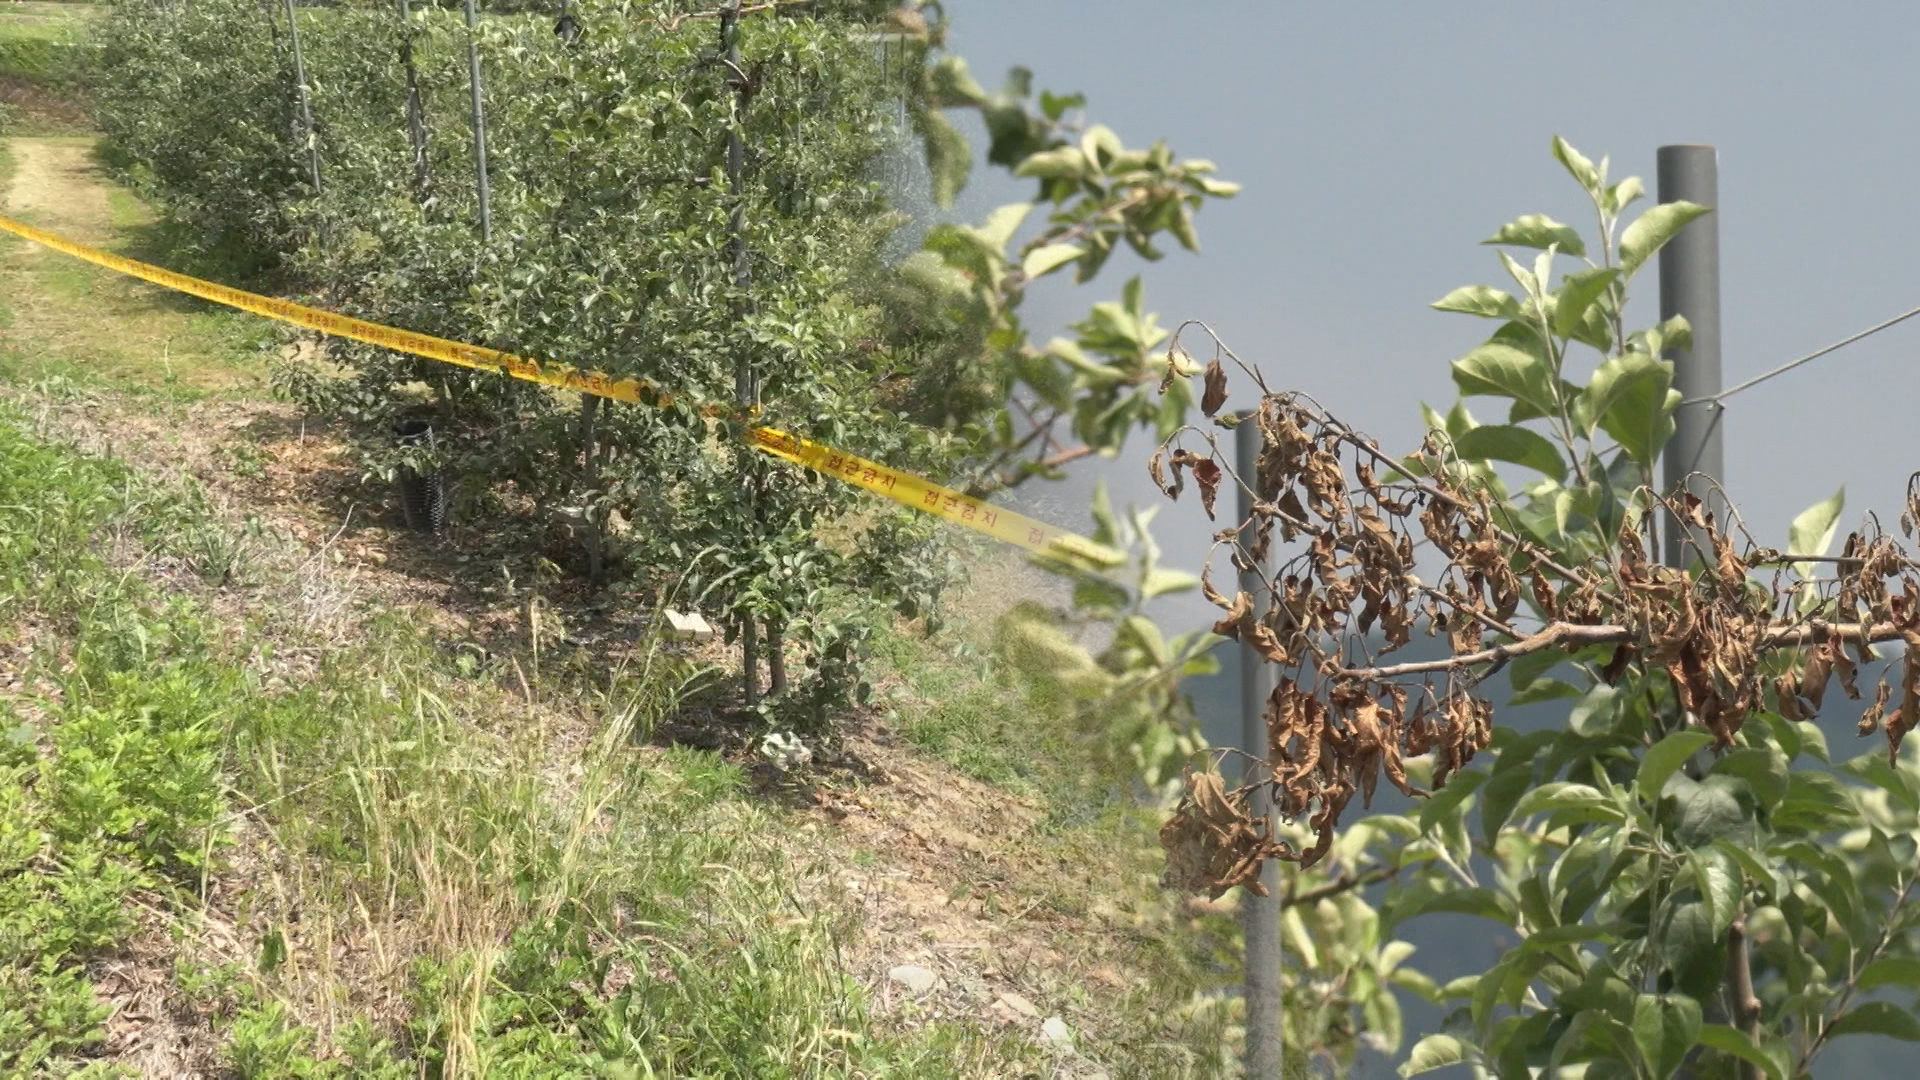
<point>746,389</point>
<point>1262,913</point>
<point>479,125</point>
<point>1690,286</point>
<point>306,106</point>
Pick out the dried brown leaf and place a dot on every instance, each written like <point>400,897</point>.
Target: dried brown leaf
<point>1207,474</point>
<point>1215,394</point>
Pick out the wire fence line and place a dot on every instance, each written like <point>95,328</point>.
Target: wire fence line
<point>1807,359</point>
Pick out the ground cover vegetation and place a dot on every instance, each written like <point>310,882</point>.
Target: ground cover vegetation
<point>511,895</point>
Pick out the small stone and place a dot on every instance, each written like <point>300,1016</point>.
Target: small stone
<point>688,626</point>
<point>1055,1033</point>
<point>1019,1004</point>
<point>915,978</point>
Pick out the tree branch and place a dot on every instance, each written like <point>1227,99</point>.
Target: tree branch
<point>714,13</point>
<point>1853,982</point>
<point>1744,1005</point>
<point>1346,882</point>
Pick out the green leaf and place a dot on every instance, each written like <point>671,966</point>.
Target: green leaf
<point>1482,901</point>
<point>1073,356</point>
<point>1708,810</point>
<point>1060,163</point>
<point>1664,758</point>
<point>1891,971</point>
<point>951,85</point>
<point>1812,740</point>
<point>1443,802</point>
<point>1631,396</point>
<point>1811,532</point>
<point>1597,711</point>
<point>1757,871</point>
<point>1160,582</point>
<point>1577,164</point>
<point>1569,803</point>
<point>1482,300</point>
<point>1721,887</point>
<point>1539,231</point>
<point>1042,261</point>
<point>1521,446</point>
<point>1499,370</point>
<point>1873,768</point>
<point>1764,768</point>
<point>1540,690</point>
<point>1621,195</point>
<point>1578,294</point>
<point>1524,670</point>
<point>1502,792</point>
<point>1878,1018</point>
<point>1001,224</point>
<point>1665,1027</point>
<point>1815,801</point>
<point>949,159</point>
<point>1651,231</point>
<point>1733,1041</point>
<point>1435,1052</point>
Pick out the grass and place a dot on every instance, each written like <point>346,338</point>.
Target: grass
<point>65,318</point>
<point>410,841</point>
<point>41,42</point>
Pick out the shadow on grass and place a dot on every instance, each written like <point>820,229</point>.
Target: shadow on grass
<point>225,258</point>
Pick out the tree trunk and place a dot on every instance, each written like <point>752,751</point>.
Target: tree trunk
<point>596,536</point>
<point>776,657</point>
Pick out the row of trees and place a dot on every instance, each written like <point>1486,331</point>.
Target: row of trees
<point>690,194</point>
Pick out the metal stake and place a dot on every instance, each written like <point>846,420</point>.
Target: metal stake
<point>1690,286</point>
<point>1262,913</point>
<point>306,106</point>
<point>479,125</point>
<point>746,388</point>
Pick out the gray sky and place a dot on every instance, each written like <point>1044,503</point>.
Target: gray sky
<point>1379,144</point>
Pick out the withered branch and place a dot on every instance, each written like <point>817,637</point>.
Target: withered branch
<point>1330,545</point>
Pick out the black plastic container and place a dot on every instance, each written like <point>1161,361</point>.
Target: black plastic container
<point>423,499</point>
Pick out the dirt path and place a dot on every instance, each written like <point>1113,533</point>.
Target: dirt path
<point>59,185</point>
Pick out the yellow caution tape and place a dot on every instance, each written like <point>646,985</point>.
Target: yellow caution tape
<point>929,497</point>
<point>346,326</point>
<point>904,488</point>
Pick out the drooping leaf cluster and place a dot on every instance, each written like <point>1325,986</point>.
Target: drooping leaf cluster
<point>1692,881</point>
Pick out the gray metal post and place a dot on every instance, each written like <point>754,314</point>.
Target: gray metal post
<point>479,124</point>
<point>1690,286</point>
<point>306,106</point>
<point>1262,913</point>
<point>746,389</point>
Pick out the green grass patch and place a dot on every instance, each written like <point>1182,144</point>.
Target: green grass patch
<point>44,43</point>
<point>70,320</point>
<point>568,907</point>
